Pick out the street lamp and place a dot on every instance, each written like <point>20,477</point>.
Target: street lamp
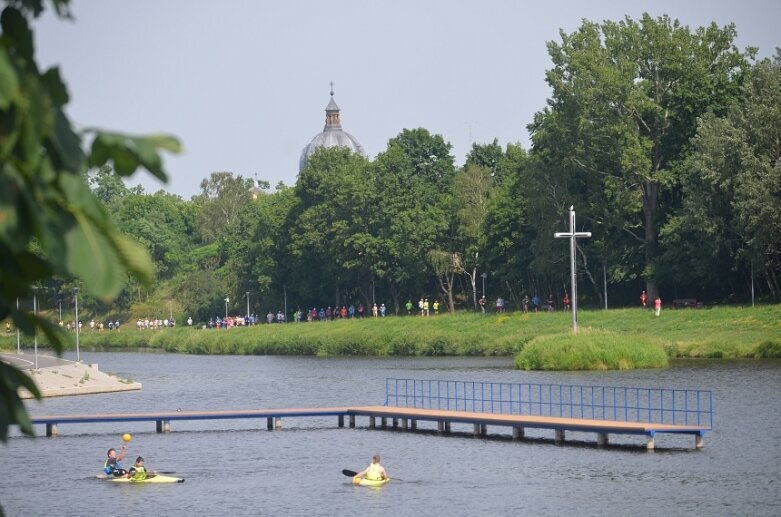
<point>76,296</point>
<point>248,304</point>
<point>35,333</point>
<point>18,342</point>
<point>483,276</point>
<point>227,300</point>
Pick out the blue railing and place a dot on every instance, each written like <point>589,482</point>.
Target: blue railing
<point>623,404</point>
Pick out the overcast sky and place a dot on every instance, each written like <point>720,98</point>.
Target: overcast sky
<point>244,84</point>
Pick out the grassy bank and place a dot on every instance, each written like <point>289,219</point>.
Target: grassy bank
<point>615,339</point>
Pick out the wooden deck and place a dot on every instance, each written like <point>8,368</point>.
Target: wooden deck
<point>401,418</point>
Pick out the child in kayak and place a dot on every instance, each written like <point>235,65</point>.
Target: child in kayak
<point>374,472</point>
<point>112,466</point>
<point>138,472</point>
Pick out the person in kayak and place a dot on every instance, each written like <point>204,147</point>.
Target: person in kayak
<point>374,472</point>
<point>138,472</point>
<point>112,467</point>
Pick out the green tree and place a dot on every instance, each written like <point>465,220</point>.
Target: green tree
<point>732,190</point>
<point>330,241</point>
<point>50,222</point>
<point>626,96</point>
<point>413,180</point>
<point>222,197</point>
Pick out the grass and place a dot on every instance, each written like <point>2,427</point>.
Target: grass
<point>614,339</point>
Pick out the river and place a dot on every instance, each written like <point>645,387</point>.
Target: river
<point>240,468</point>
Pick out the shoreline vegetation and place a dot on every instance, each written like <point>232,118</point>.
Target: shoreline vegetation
<point>607,340</point>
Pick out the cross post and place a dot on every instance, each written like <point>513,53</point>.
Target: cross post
<point>572,235</point>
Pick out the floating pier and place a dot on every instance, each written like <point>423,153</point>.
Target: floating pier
<point>561,408</point>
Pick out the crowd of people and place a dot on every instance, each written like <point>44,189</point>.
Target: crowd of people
<point>422,308</point>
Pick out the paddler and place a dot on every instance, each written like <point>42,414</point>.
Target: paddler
<point>112,467</point>
<point>374,472</point>
<point>138,472</point>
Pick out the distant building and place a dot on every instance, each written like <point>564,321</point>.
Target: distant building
<point>332,135</point>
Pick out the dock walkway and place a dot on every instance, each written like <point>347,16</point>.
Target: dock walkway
<point>396,418</point>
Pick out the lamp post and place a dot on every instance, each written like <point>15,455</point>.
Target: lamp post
<point>35,333</point>
<point>76,297</point>
<point>572,235</point>
<point>284,290</point>
<point>483,276</point>
<point>18,342</point>
<point>227,300</point>
<point>248,304</point>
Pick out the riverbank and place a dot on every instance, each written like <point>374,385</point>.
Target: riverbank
<point>723,332</point>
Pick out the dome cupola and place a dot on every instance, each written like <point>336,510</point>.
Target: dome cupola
<point>332,135</point>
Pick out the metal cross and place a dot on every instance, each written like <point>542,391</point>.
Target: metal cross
<point>572,235</point>
<point>332,88</point>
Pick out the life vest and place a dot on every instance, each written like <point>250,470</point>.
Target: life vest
<point>374,473</point>
<point>111,465</point>
<point>139,473</point>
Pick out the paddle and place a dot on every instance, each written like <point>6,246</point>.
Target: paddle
<point>350,473</point>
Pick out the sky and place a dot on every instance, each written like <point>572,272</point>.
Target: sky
<point>244,84</point>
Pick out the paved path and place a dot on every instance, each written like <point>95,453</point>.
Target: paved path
<point>26,360</point>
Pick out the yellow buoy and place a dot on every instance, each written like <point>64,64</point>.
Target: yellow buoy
<point>127,437</point>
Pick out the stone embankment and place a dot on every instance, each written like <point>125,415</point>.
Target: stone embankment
<point>76,379</point>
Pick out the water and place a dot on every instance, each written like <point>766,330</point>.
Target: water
<point>239,468</point>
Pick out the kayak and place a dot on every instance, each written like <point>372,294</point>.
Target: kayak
<point>153,479</point>
<point>370,482</point>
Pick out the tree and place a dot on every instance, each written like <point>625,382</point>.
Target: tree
<point>732,190</point>
<point>330,239</point>
<point>472,192</point>
<point>45,203</point>
<point>222,197</point>
<point>626,96</point>
<point>413,178</point>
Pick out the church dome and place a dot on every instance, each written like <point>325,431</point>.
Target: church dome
<point>332,135</point>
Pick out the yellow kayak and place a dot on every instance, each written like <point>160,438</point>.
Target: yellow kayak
<point>159,478</point>
<point>370,482</point>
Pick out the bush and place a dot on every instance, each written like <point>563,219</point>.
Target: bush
<point>591,350</point>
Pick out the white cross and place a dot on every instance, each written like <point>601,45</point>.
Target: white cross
<point>572,235</point>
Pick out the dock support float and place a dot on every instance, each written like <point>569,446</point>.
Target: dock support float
<point>341,420</point>
<point>559,436</point>
<point>601,439</point>
<point>51,430</point>
<point>372,422</point>
<point>413,424</point>
<point>163,426</point>
<point>440,427</point>
<point>518,433</point>
<point>352,421</point>
<point>649,441</point>
<point>698,441</point>
<point>404,424</point>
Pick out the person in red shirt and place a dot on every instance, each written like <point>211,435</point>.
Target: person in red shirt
<point>643,300</point>
<point>565,301</point>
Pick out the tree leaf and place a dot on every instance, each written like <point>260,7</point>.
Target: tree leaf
<point>92,257</point>
<point>9,82</point>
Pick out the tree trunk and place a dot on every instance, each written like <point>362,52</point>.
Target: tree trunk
<point>450,303</point>
<point>394,292</point>
<point>650,199</point>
